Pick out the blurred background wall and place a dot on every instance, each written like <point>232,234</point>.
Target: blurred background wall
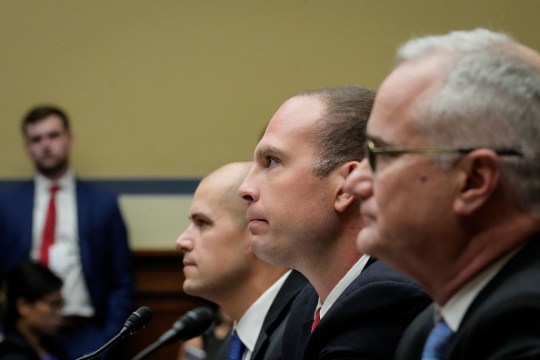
<point>161,92</point>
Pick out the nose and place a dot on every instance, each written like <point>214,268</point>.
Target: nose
<point>247,189</point>
<point>46,140</point>
<point>184,243</point>
<point>360,181</point>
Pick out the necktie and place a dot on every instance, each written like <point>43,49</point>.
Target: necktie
<point>236,347</point>
<point>437,342</point>
<point>317,319</point>
<point>50,225</point>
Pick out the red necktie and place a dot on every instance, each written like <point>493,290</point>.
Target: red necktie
<point>48,229</point>
<point>317,319</point>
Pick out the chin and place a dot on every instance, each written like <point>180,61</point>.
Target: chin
<point>270,256</point>
<point>262,253</point>
<point>189,288</point>
<point>367,242</point>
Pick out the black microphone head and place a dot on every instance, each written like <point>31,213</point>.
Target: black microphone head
<point>191,324</point>
<point>137,320</point>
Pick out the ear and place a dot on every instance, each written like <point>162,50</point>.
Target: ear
<point>344,199</point>
<point>26,146</point>
<point>71,138</point>
<point>23,306</point>
<point>481,174</point>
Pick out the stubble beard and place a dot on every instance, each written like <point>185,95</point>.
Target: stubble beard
<point>54,170</point>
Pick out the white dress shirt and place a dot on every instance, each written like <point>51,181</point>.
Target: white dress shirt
<point>250,324</point>
<point>64,254</point>
<point>340,287</point>
<point>455,308</point>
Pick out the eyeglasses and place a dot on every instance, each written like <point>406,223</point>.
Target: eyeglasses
<point>372,151</point>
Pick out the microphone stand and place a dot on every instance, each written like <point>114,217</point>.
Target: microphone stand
<point>103,348</point>
<point>135,322</point>
<point>150,349</point>
<point>193,323</point>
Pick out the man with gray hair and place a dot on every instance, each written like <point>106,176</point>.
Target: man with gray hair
<point>454,131</point>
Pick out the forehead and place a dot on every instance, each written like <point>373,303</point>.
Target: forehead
<point>212,197</point>
<point>293,122</point>
<point>207,195</point>
<point>398,96</point>
<point>51,122</point>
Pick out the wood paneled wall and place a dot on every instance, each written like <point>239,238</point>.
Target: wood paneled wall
<point>159,279</point>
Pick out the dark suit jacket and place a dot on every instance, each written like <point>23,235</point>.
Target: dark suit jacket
<point>16,347</point>
<point>366,321</point>
<point>268,345</point>
<point>104,250</point>
<point>503,322</point>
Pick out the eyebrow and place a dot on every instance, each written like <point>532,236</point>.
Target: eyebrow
<point>46,134</point>
<point>196,215</point>
<point>267,150</point>
<point>377,140</point>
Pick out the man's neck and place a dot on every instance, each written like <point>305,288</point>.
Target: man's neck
<point>55,175</point>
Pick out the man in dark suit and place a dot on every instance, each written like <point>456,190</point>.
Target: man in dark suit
<point>300,217</point>
<point>89,248</point>
<point>454,133</point>
<point>219,266</point>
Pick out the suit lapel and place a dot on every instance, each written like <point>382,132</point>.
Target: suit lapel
<point>84,203</point>
<point>278,311</point>
<point>223,351</point>
<point>27,216</point>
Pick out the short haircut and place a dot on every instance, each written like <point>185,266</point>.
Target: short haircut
<point>38,113</point>
<point>489,97</point>
<point>341,134</point>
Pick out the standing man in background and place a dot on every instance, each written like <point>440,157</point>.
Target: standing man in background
<point>301,217</point>
<point>454,132</point>
<point>73,228</point>
<point>219,266</point>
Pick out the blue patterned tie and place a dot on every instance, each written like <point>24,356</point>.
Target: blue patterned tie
<point>437,342</point>
<point>236,347</point>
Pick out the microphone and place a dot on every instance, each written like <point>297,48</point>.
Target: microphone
<point>135,322</point>
<point>191,324</point>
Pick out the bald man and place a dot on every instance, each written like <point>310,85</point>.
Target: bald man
<point>219,266</point>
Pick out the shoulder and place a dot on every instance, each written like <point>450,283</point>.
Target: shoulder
<point>504,317</point>
<point>18,188</point>
<point>513,291</point>
<point>17,197</point>
<point>381,290</point>
<point>15,347</point>
<point>91,188</point>
<point>379,275</point>
<point>89,193</point>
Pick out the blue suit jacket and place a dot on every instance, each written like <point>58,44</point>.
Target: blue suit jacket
<point>366,321</point>
<point>503,322</point>
<point>104,249</point>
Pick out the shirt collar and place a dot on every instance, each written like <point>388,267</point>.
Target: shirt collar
<point>455,308</point>
<point>340,287</point>
<point>67,181</point>
<point>250,324</point>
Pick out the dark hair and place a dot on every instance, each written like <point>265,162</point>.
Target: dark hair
<point>31,281</point>
<point>39,113</point>
<point>341,134</point>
